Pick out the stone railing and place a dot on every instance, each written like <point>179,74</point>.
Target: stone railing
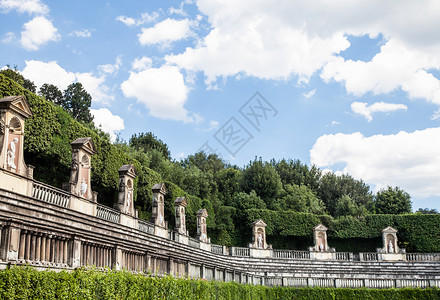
<point>343,256</point>
<point>193,242</point>
<point>218,249</point>
<point>294,254</point>
<point>50,194</point>
<point>146,226</point>
<point>368,256</point>
<point>108,214</point>
<point>239,251</point>
<point>351,282</point>
<point>423,257</point>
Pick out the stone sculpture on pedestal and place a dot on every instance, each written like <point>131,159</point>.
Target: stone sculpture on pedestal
<point>79,182</point>
<point>125,203</point>
<point>159,192</point>
<point>14,110</point>
<point>202,232</point>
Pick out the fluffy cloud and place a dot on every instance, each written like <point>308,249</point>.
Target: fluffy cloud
<point>367,111</point>
<point>310,94</point>
<point>145,18</point>
<point>111,68</point>
<point>396,66</point>
<point>165,32</point>
<point>41,72</point>
<point>85,33</point>
<point>107,121</point>
<point>410,160</point>
<point>37,32</point>
<point>280,39</point>
<point>162,90</point>
<point>25,6</point>
<point>141,63</point>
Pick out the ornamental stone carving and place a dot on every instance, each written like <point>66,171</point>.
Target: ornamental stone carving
<point>125,202</point>
<point>179,209</point>
<point>14,110</point>
<point>202,232</point>
<point>159,192</point>
<point>259,235</point>
<point>80,179</point>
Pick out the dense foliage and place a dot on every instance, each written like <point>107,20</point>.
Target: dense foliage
<point>27,283</point>
<point>289,195</point>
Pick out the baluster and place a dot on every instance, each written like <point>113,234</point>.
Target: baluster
<point>27,255</point>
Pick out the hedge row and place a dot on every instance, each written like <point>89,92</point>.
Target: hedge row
<point>417,232</point>
<point>27,283</point>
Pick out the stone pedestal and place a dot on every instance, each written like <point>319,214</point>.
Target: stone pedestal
<point>179,210</point>
<point>14,110</point>
<point>390,250</point>
<point>158,213</point>
<point>80,179</point>
<point>125,202</point>
<point>202,233</point>
<point>259,236</point>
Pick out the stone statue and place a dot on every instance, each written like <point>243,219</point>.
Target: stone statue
<point>127,203</point>
<point>390,247</point>
<point>260,241</point>
<point>74,167</point>
<point>321,247</point>
<point>11,154</point>
<point>160,217</point>
<point>83,187</point>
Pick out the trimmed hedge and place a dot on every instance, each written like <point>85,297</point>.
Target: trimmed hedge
<point>417,232</point>
<point>27,283</point>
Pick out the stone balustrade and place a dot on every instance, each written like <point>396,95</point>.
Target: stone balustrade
<point>291,254</point>
<point>50,194</point>
<point>240,251</point>
<point>108,214</point>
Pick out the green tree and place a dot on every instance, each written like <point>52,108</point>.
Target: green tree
<point>18,78</point>
<point>427,211</point>
<point>333,187</point>
<point>392,201</point>
<point>300,198</point>
<point>348,207</point>
<point>294,172</point>
<point>147,142</point>
<point>52,93</point>
<point>247,201</point>
<point>77,102</point>
<point>228,181</point>
<point>262,178</point>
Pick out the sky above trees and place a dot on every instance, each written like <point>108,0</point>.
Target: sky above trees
<point>351,86</point>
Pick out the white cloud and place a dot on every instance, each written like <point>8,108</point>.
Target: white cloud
<point>9,38</point>
<point>162,90</point>
<point>145,18</point>
<point>111,68</point>
<point>334,123</point>
<point>165,32</point>
<point>141,63</point>
<point>37,32</point>
<point>109,122</point>
<point>396,66</point>
<point>279,39</point>
<point>25,6</point>
<point>41,72</point>
<point>85,33</point>
<point>367,111</point>
<point>410,160</point>
<point>310,94</point>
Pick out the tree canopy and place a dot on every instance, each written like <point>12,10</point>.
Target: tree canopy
<point>392,201</point>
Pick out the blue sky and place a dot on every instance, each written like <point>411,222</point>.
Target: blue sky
<point>351,86</point>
